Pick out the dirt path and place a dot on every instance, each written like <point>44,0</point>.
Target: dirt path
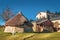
<point>29,36</point>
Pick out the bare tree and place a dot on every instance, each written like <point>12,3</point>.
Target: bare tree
<point>7,14</point>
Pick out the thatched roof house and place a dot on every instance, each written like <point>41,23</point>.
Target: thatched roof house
<point>16,24</point>
<point>43,25</point>
<point>47,25</point>
<point>19,19</point>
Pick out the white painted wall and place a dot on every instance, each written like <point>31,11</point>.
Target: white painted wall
<point>41,15</point>
<point>56,21</point>
<point>10,29</point>
<point>34,27</point>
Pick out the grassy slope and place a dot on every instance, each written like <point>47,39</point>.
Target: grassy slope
<point>17,36</point>
<point>37,36</point>
<point>46,36</point>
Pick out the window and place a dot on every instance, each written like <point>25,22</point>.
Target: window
<point>58,28</point>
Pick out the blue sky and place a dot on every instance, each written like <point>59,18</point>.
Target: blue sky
<point>30,7</point>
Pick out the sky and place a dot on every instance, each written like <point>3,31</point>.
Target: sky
<point>29,7</point>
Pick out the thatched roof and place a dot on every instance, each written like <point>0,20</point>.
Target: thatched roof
<point>48,23</point>
<point>17,20</point>
<point>45,23</point>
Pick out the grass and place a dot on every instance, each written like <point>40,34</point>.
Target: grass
<point>29,36</point>
<point>46,36</point>
<point>17,36</point>
<point>26,36</point>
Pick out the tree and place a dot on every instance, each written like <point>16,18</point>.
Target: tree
<point>47,11</point>
<point>7,14</point>
<point>57,13</point>
<point>48,16</point>
<point>31,20</point>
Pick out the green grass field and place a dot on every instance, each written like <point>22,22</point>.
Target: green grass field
<point>30,36</point>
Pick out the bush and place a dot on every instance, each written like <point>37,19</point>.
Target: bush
<point>1,28</point>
